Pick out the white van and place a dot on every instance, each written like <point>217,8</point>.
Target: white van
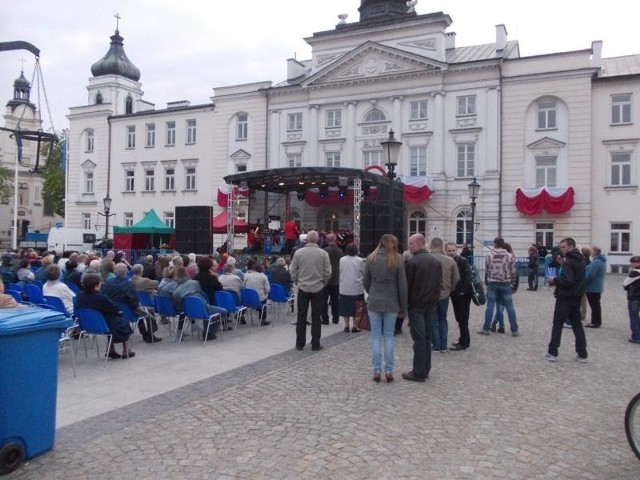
<point>70,239</point>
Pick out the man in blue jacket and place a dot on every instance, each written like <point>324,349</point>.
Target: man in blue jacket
<point>596,271</point>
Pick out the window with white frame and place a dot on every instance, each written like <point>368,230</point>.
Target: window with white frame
<point>371,157</point>
<point>418,110</point>
<point>547,113</point>
<point>131,136</point>
<point>151,135</point>
<point>332,159</point>
<point>375,115</point>
<point>294,121</point>
<point>170,179</point>
<point>334,118</point>
<point>464,227</point>
<point>129,181</point>
<point>466,105</point>
<point>36,194</point>
<point>190,178</point>
<point>544,234</point>
<point>86,221</point>
<point>171,133</point>
<point>546,172</point>
<point>620,109</point>
<point>294,159</point>
<point>128,219</point>
<point>466,159</point>
<point>418,161</point>
<point>88,182</point>
<point>620,238</point>
<point>149,180</point>
<point>191,131</point>
<point>418,223</point>
<point>242,126</point>
<point>90,141</point>
<point>620,169</point>
<point>169,219</point>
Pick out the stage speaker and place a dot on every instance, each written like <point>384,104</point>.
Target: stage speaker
<point>194,227</point>
<point>375,221</point>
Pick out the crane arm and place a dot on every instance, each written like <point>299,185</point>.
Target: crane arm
<point>19,45</point>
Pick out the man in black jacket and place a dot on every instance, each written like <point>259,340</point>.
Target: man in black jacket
<point>570,287</point>
<point>424,282</point>
<point>461,297</point>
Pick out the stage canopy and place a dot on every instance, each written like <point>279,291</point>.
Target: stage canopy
<point>283,180</point>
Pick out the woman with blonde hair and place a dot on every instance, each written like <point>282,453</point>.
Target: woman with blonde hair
<point>386,284</point>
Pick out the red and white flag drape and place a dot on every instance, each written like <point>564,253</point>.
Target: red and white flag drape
<point>532,201</point>
<point>223,194</point>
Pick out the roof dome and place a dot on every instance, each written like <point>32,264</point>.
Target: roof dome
<point>115,62</point>
<point>21,81</point>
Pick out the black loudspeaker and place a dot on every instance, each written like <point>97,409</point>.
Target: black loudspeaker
<point>194,229</point>
<point>384,215</point>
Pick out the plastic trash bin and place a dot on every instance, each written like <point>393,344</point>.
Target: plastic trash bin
<point>28,382</point>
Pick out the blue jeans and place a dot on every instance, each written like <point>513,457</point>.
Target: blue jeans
<point>420,326</point>
<point>439,326</point>
<point>382,325</point>
<point>634,319</point>
<point>499,318</point>
<point>499,292</point>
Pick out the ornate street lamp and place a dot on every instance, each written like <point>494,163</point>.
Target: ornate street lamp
<point>391,151</point>
<point>106,203</point>
<point>474,188</point>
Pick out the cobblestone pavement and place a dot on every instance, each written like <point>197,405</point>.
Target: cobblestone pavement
<point>496,410</point>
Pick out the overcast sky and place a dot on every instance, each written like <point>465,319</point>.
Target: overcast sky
<point>185,49</point>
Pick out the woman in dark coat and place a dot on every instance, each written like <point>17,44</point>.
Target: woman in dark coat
<point>90,297</point>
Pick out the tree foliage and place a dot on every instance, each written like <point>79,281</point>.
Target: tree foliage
<point>53,179</point>
<point>6,185</point>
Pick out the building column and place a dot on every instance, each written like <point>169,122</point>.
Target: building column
<point>350,134</point>
<point>438,127</point>
<point>314,153</point>
<point>274,160</point>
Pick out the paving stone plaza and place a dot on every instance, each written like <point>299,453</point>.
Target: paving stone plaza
<point>497,410</point>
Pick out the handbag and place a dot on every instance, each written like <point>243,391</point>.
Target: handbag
<point>362,315</point>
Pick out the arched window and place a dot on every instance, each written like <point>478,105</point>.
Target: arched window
<point>463,227</point>
<point>128,106</point>
<point>375,115</point>
<point>99,99</point>
<point>418,223</point>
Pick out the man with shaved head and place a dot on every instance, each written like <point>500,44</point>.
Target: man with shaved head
<point>424,282</point>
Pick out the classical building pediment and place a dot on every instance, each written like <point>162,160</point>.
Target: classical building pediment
<point>546,143</point>
<point>373,60</point>
<point>240,156</point>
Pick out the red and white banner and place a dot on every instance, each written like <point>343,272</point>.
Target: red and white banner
<point>532,201</point>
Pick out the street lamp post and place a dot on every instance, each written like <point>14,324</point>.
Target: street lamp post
<point>391,151</point>
<point>106,203</point>
<point>474,188</point>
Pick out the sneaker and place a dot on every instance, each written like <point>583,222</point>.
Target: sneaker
<point>567,325</point>
<point>550,358</point>
<point>294,322</point>
<point>581,359</point>
<point>515,334</point>
<point>501,330</point>
<point>484,332</point>
<point>493,327</point>
<point>634,341</point>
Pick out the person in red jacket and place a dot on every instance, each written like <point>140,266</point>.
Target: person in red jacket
<point>290,236</point>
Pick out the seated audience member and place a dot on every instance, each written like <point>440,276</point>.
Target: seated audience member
<point>6,300</point>
<point>119,289</point>
<point>168,282</point>
<point>258,281</point>
<point>141,283</point>
<point>107,270</point>
<point>149,269</point>
<point>192,266</point>
<point>280,274</point>
<point>229,280</point>
<point>90,297</point>
<point>187,287</point>
<point>208,278</point>
<point>24,273</point>
<point>55,288</point>
<point>40,272</point>
<point>236,270</point>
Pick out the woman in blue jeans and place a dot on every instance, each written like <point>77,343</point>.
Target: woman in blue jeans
<point>386,283</point>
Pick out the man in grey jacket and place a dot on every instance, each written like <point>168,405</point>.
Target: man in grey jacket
<point>311,270</point>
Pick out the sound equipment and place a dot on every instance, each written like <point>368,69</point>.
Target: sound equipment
<point>194,229</point>
<point>385,215</point>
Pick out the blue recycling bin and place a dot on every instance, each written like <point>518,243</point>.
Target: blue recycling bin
<point>29,347</point>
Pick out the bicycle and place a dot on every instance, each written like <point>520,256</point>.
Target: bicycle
<point>632,424</point>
